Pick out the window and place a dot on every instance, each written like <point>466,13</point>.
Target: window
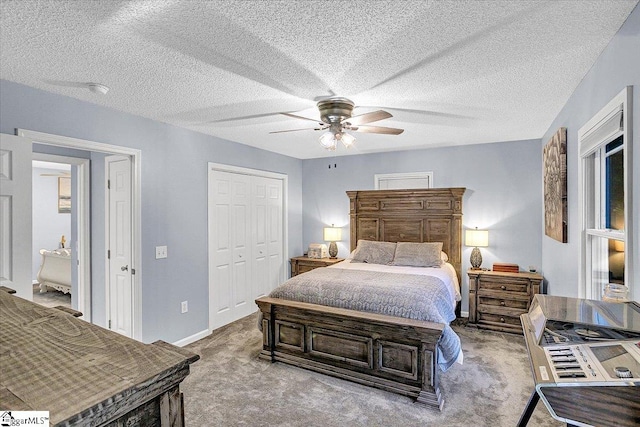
<point>604,176</point>
<point>403,181</point>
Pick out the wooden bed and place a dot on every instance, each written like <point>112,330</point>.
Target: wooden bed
<point>387,352</point>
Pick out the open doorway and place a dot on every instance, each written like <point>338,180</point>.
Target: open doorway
<point>96,253</point>
<point>51,234</point>
<point>61,265</point>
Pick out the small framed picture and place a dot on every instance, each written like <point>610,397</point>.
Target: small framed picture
<point>64,194</point>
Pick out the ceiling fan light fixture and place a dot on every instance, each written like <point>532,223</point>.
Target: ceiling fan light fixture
<point>328,141</point>
<point>347,139</point>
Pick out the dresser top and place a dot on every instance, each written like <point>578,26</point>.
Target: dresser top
<point>55,362</point>
<point>522,274</point>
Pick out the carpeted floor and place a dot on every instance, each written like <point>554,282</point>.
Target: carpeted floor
<point>230,386</point>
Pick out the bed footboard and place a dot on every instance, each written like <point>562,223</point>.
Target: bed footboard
<point>387,352</point>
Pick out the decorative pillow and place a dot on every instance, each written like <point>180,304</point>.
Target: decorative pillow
<point>418,254</point>
<point>374,252</point>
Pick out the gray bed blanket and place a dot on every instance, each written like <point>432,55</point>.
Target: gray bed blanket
<point>402,295</point>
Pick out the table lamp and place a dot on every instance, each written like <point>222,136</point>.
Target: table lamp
<point>332,234</point>
<point>477,239</point>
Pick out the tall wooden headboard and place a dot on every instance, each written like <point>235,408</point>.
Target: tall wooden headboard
<point>428,215</point>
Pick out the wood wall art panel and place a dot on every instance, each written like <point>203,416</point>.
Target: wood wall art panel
<point>555,186</point>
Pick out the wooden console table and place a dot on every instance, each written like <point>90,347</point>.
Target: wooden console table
<point>84,374</point>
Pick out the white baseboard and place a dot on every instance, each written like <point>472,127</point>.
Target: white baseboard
<point>464,314</point>
<point>192,338</point>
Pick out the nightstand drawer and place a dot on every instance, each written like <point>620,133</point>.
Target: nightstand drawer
<point>302,264</point>
<point>522,304</point>
<point>501,311</point>
<point>499,319</point>
<point>303,268</point>
<point>500,284</point>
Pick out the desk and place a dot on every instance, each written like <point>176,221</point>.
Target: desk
<point>84,374</point>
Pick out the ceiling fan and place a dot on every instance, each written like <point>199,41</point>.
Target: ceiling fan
<point>336,119</point>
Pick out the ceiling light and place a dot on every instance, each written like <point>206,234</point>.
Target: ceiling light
<point>98,88</point>
<point>328,141</point>
<point>347,139</point>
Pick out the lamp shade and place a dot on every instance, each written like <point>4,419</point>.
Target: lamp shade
<point>476,238</point>
<point>332,234</point>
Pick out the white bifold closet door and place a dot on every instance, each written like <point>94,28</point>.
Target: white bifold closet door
<point>246,243</point>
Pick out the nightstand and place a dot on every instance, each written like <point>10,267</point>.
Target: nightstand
<point>302,264</point>
<point>497,299</point>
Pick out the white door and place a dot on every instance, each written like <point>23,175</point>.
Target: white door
<point>241,245</point>
<point>246,249</point>
<point>119,253</point>
<point>230,250</point>
<point>274,234</point>
<point>15,214</point>
<point>260,209</point>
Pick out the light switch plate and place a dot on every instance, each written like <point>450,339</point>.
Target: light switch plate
<point>161,252</point>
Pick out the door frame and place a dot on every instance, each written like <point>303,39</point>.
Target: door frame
<point>211,167</point>
<point>136,177</point>
<point>83,248</point>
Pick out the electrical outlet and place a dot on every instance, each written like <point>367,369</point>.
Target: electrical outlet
<point>161,252</point>
<point>185,306</point>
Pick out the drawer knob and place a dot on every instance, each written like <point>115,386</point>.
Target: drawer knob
<point>502,319</point>
<point>503,287</point>
<point>501,302</point>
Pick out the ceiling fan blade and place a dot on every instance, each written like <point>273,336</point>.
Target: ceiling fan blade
<point>377,129</point>
<point>303,118</point>
<point>373,116</point>
<point>296,130</point>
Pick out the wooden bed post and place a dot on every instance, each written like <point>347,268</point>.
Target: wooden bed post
<point>268,329</point>
<point>430,394</point>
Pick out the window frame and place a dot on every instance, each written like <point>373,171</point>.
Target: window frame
<point>611,122</point>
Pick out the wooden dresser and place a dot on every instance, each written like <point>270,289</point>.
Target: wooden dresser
<point>302,264</point>
<point>84,374</point>
<point>497,299</point>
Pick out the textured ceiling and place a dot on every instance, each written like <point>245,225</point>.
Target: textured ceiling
<point>451,72</point>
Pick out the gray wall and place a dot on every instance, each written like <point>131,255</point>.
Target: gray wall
<point>503,182</point>
<point>618,66</point>
<point>174,196</point>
